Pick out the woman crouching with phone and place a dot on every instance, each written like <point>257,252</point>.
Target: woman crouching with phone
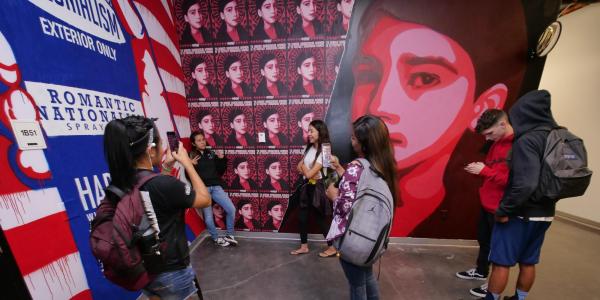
<point>370,140</point>
<point>133,148</point>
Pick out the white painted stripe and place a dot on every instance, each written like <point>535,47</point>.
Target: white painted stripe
<point>172,83</point>
<point>166,6</point>
<point>157,31</point>
<point>183,125</point>
<point>61,279</point>
<point>131,18</point>
<point>24,207</point>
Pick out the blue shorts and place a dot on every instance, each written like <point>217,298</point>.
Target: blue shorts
<point>517,241</point>
<point>174,285</point>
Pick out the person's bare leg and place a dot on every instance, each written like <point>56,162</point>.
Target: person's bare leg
<point>498,279</point>
<point>154,298</point>
<point>526,277</point>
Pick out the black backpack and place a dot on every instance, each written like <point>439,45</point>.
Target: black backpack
<point>565,171</point>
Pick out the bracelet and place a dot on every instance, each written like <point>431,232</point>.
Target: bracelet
<point>166,168</point>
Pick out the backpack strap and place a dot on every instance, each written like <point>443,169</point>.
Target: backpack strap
<point>367,165</point>
<point>364,162</point>
<point>115,190</point>
<point>143,177</point>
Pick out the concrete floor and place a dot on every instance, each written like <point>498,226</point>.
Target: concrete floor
<point>262,268</point>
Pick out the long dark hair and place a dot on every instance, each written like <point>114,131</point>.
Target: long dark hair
<point>125,141</point>
<point>374,138</point>
<point>193,139</point>
<point>321,128</point>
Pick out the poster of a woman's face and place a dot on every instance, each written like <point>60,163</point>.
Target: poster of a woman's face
<point>429,74</point>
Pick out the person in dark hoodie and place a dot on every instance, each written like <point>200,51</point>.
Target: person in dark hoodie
<point>211,165</point>
<point>231,30</point>
<point>270,85</point>
<point>268,28</point>
<point>523,215</point>
<point>194,32</point>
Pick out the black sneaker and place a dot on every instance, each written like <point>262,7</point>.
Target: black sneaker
<point>231,240</point>
<point>221,242</point>
<point>479,291</point>
<point>514,297</point>
<point>470,274</point>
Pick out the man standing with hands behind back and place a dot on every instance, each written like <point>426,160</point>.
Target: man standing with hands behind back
<point>495,127</point>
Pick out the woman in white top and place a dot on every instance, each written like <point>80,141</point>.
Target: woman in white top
<point>311,167</point>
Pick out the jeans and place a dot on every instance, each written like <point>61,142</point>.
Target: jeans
<point>484,237</point>
<point>363,284</point>
<point>218,195</point>
<point>174,285</point>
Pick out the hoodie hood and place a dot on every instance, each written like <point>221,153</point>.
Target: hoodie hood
<point>530,111</point>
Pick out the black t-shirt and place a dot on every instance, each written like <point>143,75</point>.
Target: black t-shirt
<point>170,197</point>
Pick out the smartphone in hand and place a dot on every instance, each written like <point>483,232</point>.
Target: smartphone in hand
<point>326,154</point>
<point>173,139</point>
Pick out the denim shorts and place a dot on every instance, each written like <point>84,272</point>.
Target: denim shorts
<point>517,241</point>
<point>174,285</point>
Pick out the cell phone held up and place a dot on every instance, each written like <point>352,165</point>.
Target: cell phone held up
<point>173,139</point>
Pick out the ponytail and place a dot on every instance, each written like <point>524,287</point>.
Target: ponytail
<point>125,140</point>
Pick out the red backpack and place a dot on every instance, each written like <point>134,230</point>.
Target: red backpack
<point>122,237</point>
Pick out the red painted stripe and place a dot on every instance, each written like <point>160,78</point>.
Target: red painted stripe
<point>166,61</point>
<point>194,221</point>
<point>85,295</point>
<point>178,105</point>
<point>41,242</point>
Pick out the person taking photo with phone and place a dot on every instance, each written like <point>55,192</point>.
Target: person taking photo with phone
<point>133,148</point>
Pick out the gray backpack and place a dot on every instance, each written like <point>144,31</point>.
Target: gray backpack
<point>565,171</point>
<point>368,229</point>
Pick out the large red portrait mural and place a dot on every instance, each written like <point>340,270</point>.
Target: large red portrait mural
<point>429,69</point>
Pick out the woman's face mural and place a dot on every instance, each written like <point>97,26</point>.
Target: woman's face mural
<point>429,69</point>
<point>422,85</point>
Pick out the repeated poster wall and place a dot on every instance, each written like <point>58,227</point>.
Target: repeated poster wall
<point>255,77</point>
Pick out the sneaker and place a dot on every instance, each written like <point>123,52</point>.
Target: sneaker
<point>221,242</point>
<point>231,240</point>
<point>513,297</point>
<point>470,274</point>
<point>479,291</point>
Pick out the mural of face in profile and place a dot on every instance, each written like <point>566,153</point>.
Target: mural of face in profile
<point>429,74</point>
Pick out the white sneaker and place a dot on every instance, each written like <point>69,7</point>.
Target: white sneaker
<point>231,240</point>
<point>221,242</point>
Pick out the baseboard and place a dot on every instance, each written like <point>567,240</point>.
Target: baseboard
<point>578,221</point>
<point>406,241</point>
